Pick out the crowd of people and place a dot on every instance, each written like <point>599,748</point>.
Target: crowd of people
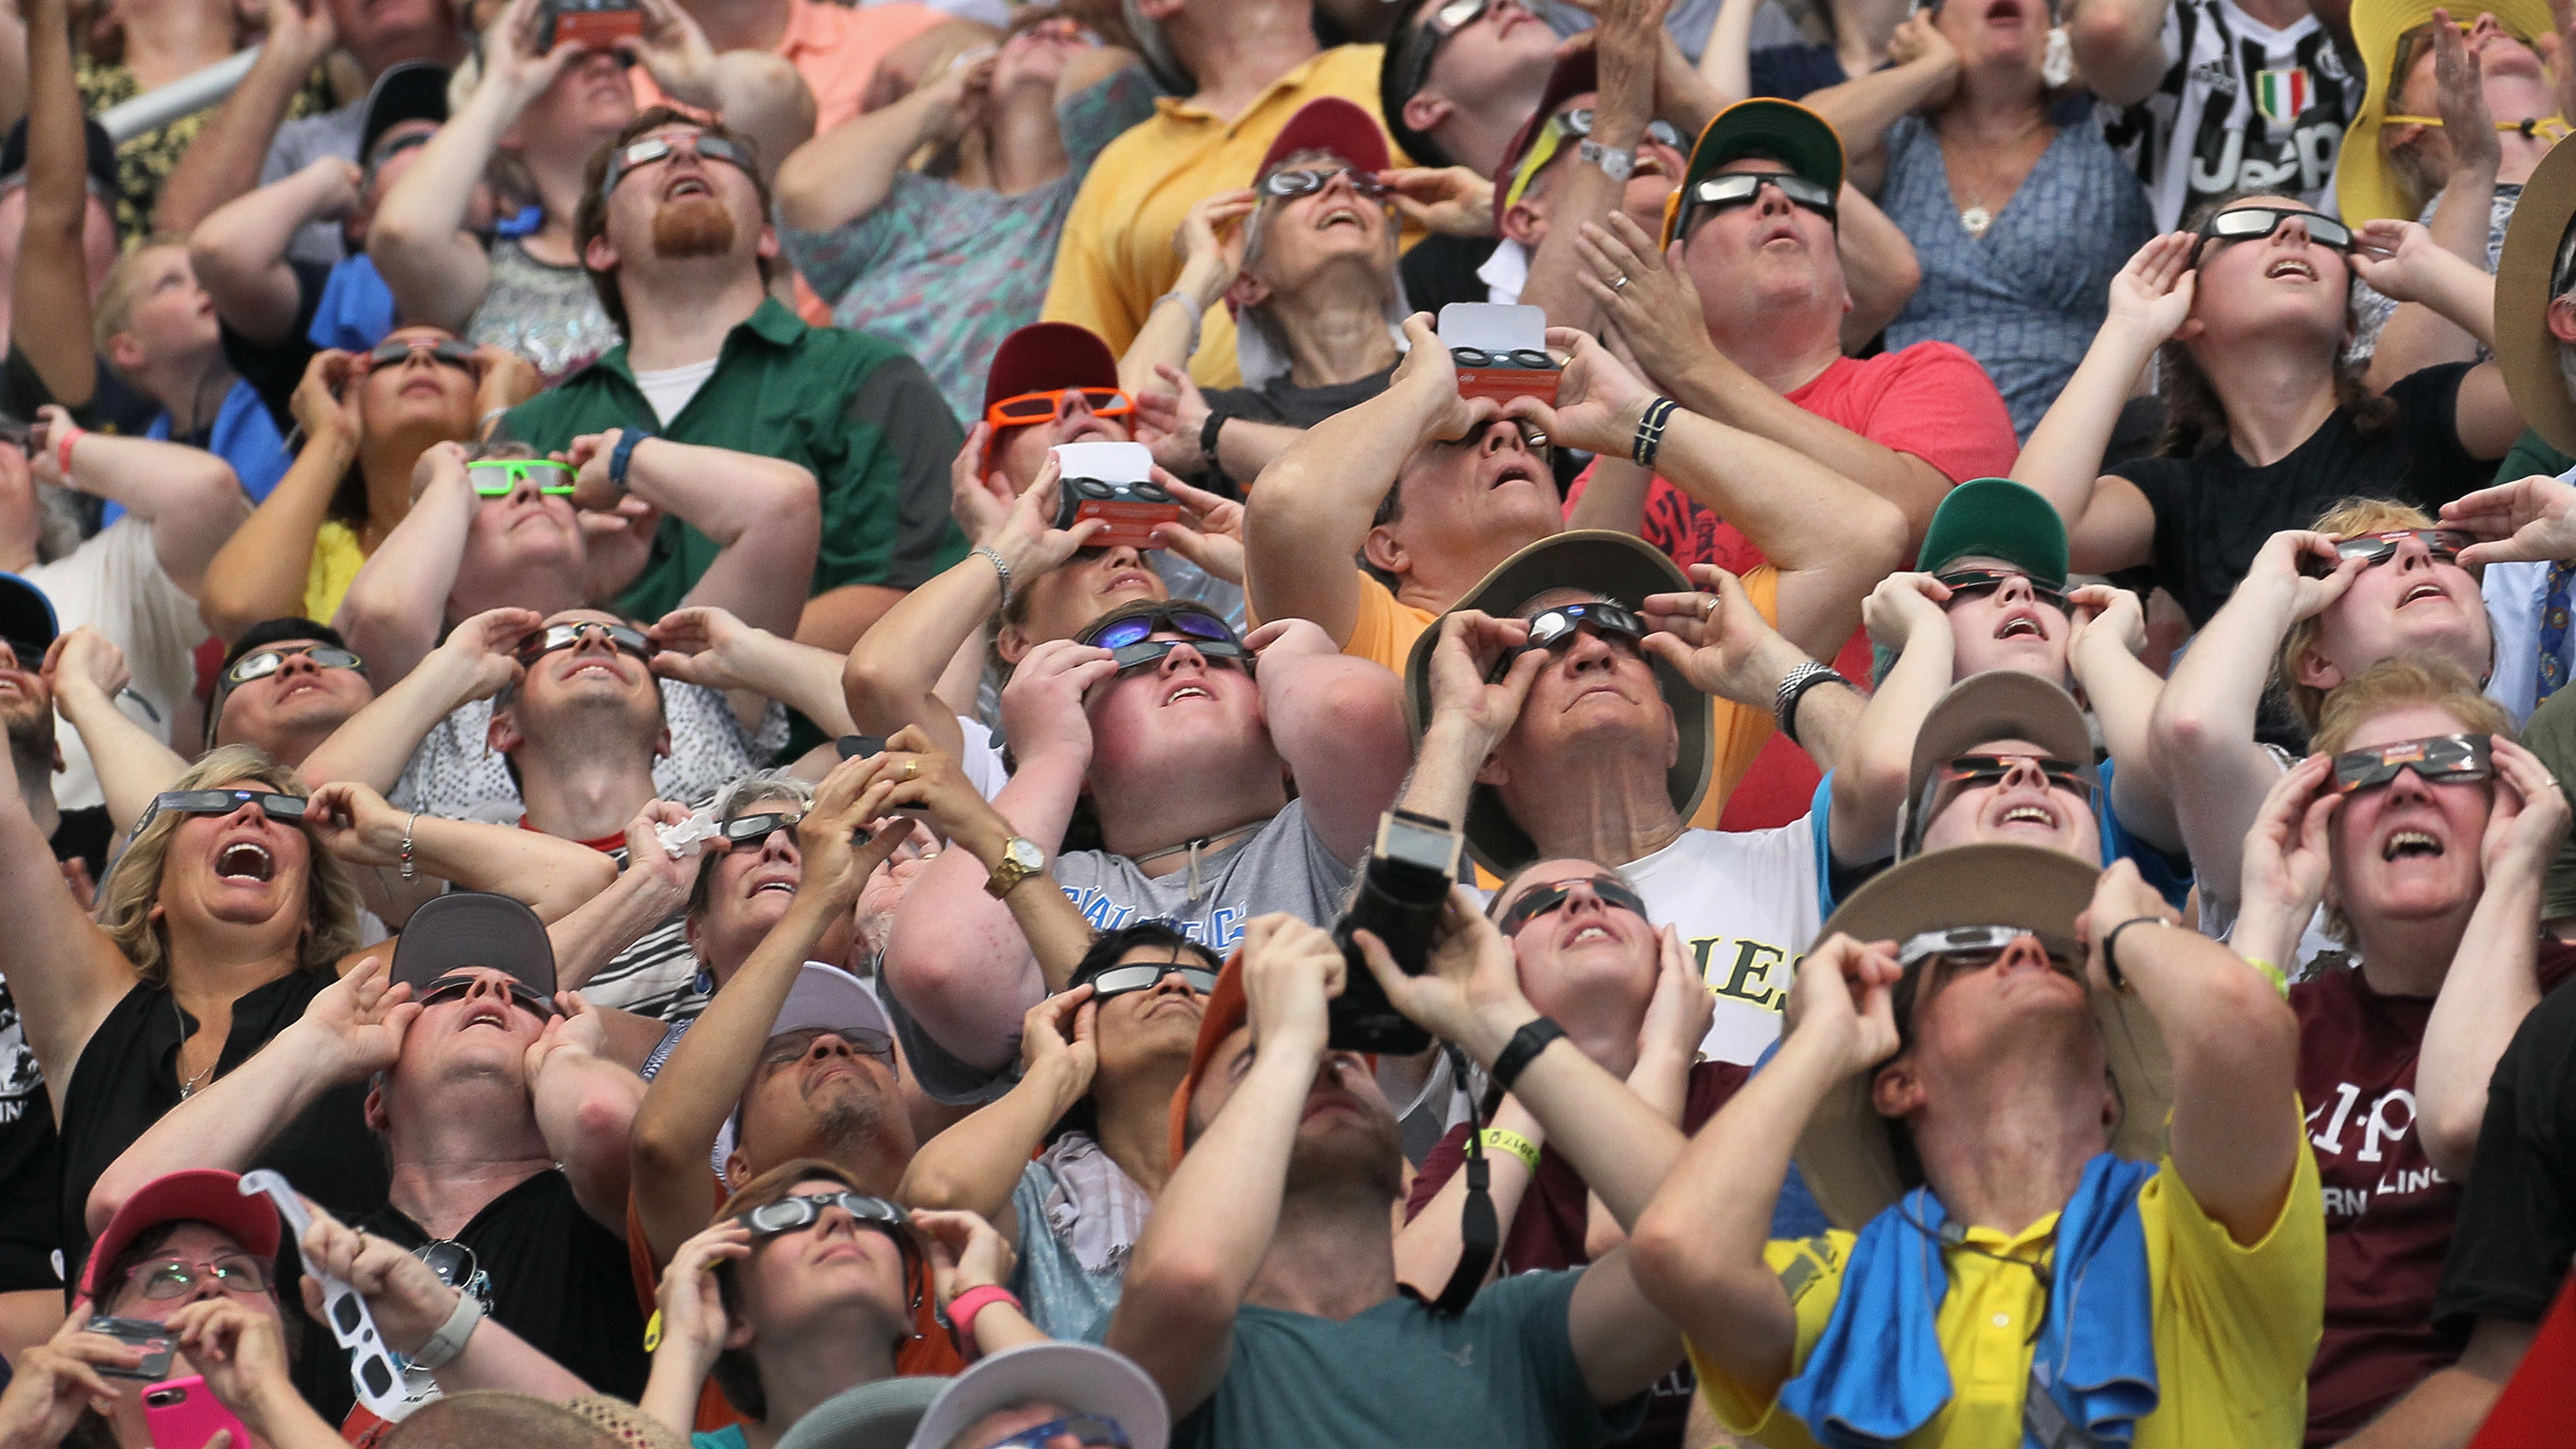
<point>1251,724</point>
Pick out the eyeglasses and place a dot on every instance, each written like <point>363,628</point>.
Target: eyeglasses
<point>1022,409</point>
<point>1968,943</point>
<point>1111,981</point>
<point>458,1268</point>
<point>450,988</point>
<point>501,477</point>
<point>1743,188</point>
<point>1555,628</point>
<point>786,1047</point>
<point>1529,357</point>
<point>2436,760</point>
<point>1969,583</point>
<point>639,154</point>
<point>1538,901</point>
<point>1446,20</point>
<point>1091,1431</point>
<point>225,802</point>
<point>442,349</point>
<point>162,1279</point>
<point>791,1214</point>
<point>2252,223</point>
<point>2374,549</point>
<point>266,662</point>
<point>746,831</point>
<point>1288,185</point>
<point>553,637</point>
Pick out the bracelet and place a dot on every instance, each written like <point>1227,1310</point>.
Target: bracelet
<point>1616,162</point>
<point>1784,706</point>
<point>63,451</point>
<point>2280,980</point>
<point>1650,432</point>
<point>1189,304</point>
<point>1522,1050</point>
<point>483,424</point>
<point>2111,951</point>
<point>621,455</point>
<point>1217,419</point>
<point>1503,1139</point>
<point>409,871</point>
<point>999,567</point>
<point>449,1341</point>
<point>961,1316</point>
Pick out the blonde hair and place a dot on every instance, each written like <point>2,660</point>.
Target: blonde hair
<point>112,313</point>
<point>133,885</point>
<point>2348,518</point>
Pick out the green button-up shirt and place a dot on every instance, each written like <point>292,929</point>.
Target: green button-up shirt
<point>854,409</point>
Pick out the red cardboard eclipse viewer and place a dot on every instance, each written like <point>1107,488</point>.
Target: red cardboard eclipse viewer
<point>1500,352</point>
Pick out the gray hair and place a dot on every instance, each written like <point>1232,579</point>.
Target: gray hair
<point>58,522</point>
<point>759,787</point>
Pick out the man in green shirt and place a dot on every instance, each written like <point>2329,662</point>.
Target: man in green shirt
<point>673,229</point>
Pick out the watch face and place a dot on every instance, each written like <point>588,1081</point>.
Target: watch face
<point>1025,854</point>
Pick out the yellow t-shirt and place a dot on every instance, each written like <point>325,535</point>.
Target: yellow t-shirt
<point>336,561</point>
<point>1116,254</point>
<point>2235,1327</point>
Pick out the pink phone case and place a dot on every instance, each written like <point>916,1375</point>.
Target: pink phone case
<point>184,1414</point>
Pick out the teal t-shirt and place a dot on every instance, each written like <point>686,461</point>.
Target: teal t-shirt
<point>1502,1375</point>
<point>728,1437</point>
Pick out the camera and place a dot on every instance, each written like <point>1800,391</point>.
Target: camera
<point>1500,352</point>
<point>592,24</point>
<point>1403,888</point>
<point>1112,481</point>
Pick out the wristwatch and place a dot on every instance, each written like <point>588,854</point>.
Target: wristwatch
<point>1615,162</point>
<point>1021,858</point>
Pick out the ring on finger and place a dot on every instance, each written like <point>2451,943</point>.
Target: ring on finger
<point>911,769</point>
<point>1707,607</point>
<point>1621,284</point>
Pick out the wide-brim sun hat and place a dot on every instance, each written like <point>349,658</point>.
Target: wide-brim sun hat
<point>2525,351</point>
<point>2364,190</point>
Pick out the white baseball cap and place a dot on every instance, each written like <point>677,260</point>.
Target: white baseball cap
<point>1079,1378</point>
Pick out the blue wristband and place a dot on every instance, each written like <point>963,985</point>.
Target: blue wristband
<point>621,455</point>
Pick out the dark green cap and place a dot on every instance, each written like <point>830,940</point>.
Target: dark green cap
<point>1784,131</point>
<point>1999,519</point>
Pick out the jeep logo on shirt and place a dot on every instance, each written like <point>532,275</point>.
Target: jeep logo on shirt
<point>2297,165</point>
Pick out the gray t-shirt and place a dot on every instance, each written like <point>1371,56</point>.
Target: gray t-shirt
<point>1282,866</point>
<point>299,144</point>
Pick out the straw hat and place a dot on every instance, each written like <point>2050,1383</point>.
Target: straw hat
<point>2364,191</point>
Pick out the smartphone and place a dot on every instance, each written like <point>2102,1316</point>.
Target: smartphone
<point>1113,481</point>
<point>860,747</point>
<point>153,1338</point>
<point>1500,352</point>
<point>591,24</point>
<point>183,1414</point>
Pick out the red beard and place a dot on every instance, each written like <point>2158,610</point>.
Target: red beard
<point>693,226</point>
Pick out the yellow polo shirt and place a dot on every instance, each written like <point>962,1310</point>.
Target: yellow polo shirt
<point>2235,1327</point>
<point>1116,254</point>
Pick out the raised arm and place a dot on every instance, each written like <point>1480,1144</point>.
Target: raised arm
<point>49,314</point>
<point>934,789</point>
<point>398,600</point>
<point>261,571</point>
<point>708,647</point>
<point>1628,43</point>
<point>550,876</point>
<point>762,513</point>
<point>585,1104</point>
<point>231,148</point>
<point>132,763</point>
<point>2415,336</point>
<point>1339,723</point>
<point>1721,643</point>
<point>1904,614</point>
<point>2120,46</point>
<point>239,251</point>
<point>1211,247</point>
<point>377,742</point>
<point>976,1165</point>
<point>2110,629</point>
<point>1880,269</point>
<point>654,884</point>
<point>1924,72</point>
<point>1314,506</point>
<point>188,495</point>
<point>848,171</point>
<point>64,973</point>
<point>757,93</point>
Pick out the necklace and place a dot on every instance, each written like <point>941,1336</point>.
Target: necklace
<point>188,1085</point>
<point>1976,217</point>
<point>1204,843</point>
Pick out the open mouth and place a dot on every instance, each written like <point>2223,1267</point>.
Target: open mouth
<point>2038,815</point>
<point>1590,933</point>
<point>2290,267</point>
<point>2411,844</point>
<point>595,665</point>
<point>245,860</point>
<point>2003,12</point>
<point>1341,216</point>
<point>688,185</point>
<point>2021,626</point>
<point>784,885</point>
<point>487,1015</point>
<point>1188,691</point>
<point>2421,592</point>
<point>1513,473</point>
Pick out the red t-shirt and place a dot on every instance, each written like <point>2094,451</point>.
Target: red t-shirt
<point>2388,1210</point>
<point>1546,1234</point>
<point>1931,400</point>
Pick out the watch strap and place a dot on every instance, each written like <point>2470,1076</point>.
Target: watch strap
<point>1616,162</point>
<point>1217,419</point>
<point>1008,872</point>
<point>449,1341</point>
<point>622,455</point>
<point>1523,1049</point>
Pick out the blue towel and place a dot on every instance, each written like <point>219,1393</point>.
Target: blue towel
<point>1878,1374</point>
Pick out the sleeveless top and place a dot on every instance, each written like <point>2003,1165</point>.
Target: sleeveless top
<point>547,314</point>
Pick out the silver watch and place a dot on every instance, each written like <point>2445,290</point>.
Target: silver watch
<point>1615,162</point>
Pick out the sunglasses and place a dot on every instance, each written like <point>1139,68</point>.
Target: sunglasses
<point>792,1214</point>
<point>1446,20</point>
<point>1974,772</point>
<point>1111,981</point>
<point>162,1279</point>
<point>1130,640</point>
<point>2436,760</point>
<point>1091,1431</point>
<point>1555,628</point>
<point>1287,185</point>
<point>2252,223</point>
<point>553,637</point>
<point>458,1268</point>
<point>746,831</point>
<point>1969,583</point>
<point>787,1046</point>
<point>1743,188</point>
<point>639,154</point>
<point>225,802</point>
<point>1967,944</point>
<point>2374,549</point>
<point>445,349</point>
<point>1543,900</point>
<point>1022,409</point>
<point>268,661</point>
<point>501,477</point>
<point>451,988</point>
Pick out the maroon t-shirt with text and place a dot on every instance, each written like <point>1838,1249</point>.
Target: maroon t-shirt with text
<point>1546,1233</point>
<point>2388,1210</point>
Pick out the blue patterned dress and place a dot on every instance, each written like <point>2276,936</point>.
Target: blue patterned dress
<point>2026,298</point>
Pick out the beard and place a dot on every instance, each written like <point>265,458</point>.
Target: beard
<point>1364,1159</point>
<point>693,226</point>
<point>850,1124</point>
<point>29,725</point>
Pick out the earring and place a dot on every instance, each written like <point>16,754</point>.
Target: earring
<point>2057,65</point>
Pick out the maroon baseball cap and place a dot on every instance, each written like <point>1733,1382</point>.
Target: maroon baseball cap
<point>1048,357</point>
<point>1335,127</point>
<point>1574,74</point>
<point>198,1195</point>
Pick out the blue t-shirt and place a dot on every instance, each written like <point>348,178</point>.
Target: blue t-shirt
<point>356,309</point>
<point>244,435</point>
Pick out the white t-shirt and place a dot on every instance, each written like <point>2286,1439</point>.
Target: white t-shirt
<point>1744,902</point>
<point>670,389</point>
<point>114,584</point>
<point>1505,273</point>
<point>2241,106</point>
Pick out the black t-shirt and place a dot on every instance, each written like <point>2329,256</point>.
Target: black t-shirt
<point>557,1278</point>
<point>1442,269</point>
<point>1284,402</point>
<point>2516,1228</point>
<point>2214,511</point>
<point>128,1077</point>
<point>31,1167</point>
<point>113,407</point>
<point>83,835</point>
<point>274,368</point>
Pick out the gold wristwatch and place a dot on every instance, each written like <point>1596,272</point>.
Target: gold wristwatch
<point>1021,858</point>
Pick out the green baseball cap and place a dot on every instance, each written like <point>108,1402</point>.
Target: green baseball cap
<point>1997,518</point>
<point>1783,131</point>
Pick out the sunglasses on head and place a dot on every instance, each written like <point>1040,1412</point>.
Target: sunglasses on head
<point>262,663</point>
<point>553,637</point>
<point>455,986</point>
<point>224,802</point>
<point>2374,549</point>
<point>501,477</point>
<point>1742,188</point>
<point>743,832</point>
<point>443,349</point>
<point>2436,760</point>
<point>162,1279</point>
<point>1111,981</point>
<point>1306,181</point>
<point>1969,583</point>
<point>2253,223</point>
<point>1538,901</point>
<point>1555,628</point>
<point>1969,943</point>
<point>1022,409</point>
<point>787,1046</point>
<point>637,155</point>
<point>791,1214</point>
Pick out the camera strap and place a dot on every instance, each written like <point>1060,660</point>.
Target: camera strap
<point>1480,1234</point>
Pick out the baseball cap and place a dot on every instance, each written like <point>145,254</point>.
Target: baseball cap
<point>201,1195</point>
<point>1333,126</point>
<point>100,161</point>
<point>475,928</point>
<point>1080,1378</point>
<point>879,1415</point>
<point>1574,75</point>
<point>1784,131</point>
<point>2000,519</point>
<point>413,91</point>
<point>27,618</point>
<point>1998,704</point>
<point>1227,1010</point>
<point>824,996</point>
<point>1046,357</point>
